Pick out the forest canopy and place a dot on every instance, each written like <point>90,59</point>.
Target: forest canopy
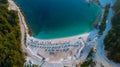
<point>112,40</point>
<point>11,54</point>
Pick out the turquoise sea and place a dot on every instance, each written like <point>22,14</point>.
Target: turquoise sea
<point>51,19</point>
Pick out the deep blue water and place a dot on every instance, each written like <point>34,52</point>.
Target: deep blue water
<point>50,19</point>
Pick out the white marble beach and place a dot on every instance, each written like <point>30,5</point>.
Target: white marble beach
<point>64,51</point>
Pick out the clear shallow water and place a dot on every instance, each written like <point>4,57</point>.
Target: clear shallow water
<point>50,19</point>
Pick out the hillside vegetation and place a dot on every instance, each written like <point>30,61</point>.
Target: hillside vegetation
<point>11,54</point>
<point>112,40</point>
<point>103,24</point>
